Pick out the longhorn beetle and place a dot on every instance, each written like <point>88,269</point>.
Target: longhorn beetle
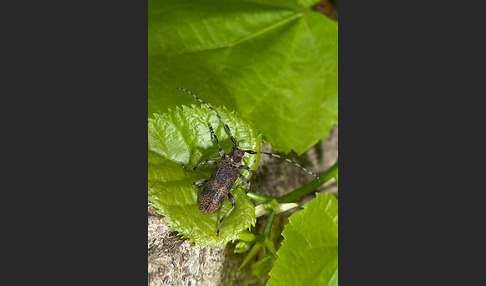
<point>226,172</point>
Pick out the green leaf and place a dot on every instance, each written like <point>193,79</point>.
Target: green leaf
<point>262,267</point>
<point>182,136</point>
<point>309,252</point>
<point>273,61</point>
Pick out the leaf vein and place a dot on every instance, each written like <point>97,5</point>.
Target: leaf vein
<point>243,39</point>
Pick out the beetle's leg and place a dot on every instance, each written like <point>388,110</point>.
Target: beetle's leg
<point>199,182</point>
<point>243,167</point>
<point>221,151</point>
<point>231,199</point>
<point>247,187</point>
<point>209,162</point>
<point>244,179</point>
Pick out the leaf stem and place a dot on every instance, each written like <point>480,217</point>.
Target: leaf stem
<point>290,197</point>
<point>259,198</point>
<point>310,187</point>
<point>268,226</point>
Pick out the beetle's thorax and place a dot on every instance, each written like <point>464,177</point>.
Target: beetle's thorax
<point>234,157</point>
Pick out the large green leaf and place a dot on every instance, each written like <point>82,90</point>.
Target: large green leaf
<point>182,136</point>
<point>309,252</point>
<point>274,61</point>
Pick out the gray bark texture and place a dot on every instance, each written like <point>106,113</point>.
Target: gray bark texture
<point>176,261</point>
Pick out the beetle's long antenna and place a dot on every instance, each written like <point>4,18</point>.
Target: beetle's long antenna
<point>288,160</point>
<point>231,134</point>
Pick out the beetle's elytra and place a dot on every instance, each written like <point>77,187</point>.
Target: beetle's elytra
<point>218,186</point>
<point>227,171</point>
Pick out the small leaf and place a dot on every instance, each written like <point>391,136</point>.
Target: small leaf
<point>254,251</point>
<point>262,267</point>
<point>280,208</point>
<point>270,247</point>
<point>246,236</point>
<point>242,246</point>
<point>182,136</point>
<point>261,210</point>
<point>309,252</point>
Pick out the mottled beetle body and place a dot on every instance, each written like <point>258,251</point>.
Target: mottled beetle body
<point>226,173</point>
<point>219,185</point>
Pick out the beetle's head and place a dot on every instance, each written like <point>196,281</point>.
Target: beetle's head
<point>235,156</point>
